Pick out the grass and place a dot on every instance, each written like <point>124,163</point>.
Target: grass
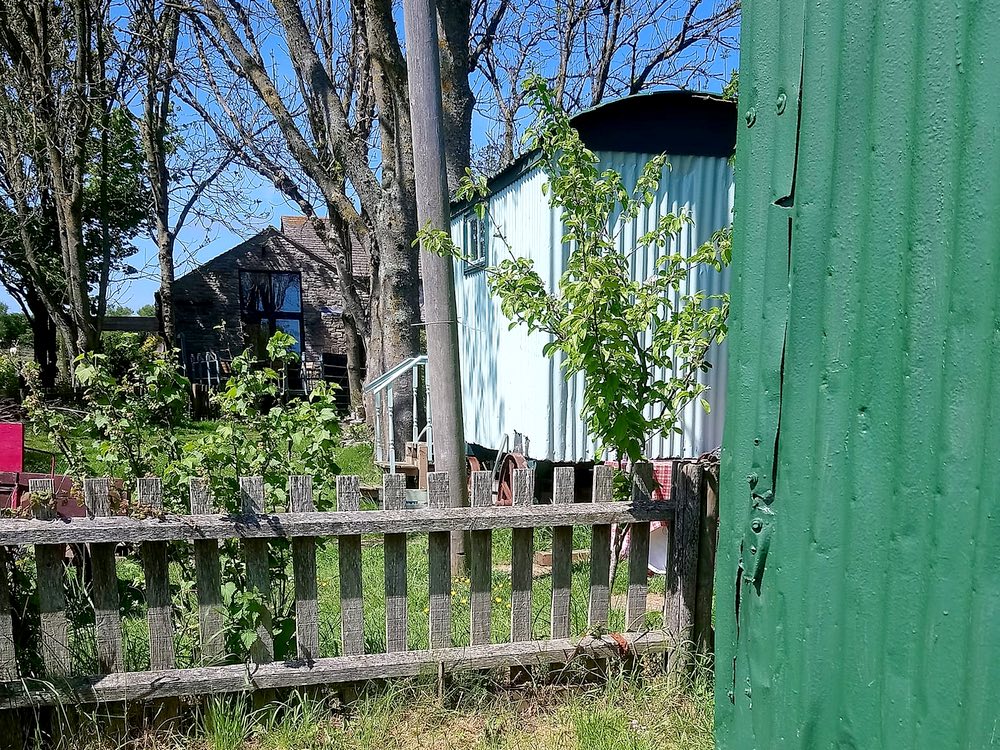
<point>136,635</point>
<point>627,711</point>
<point>372,568</point>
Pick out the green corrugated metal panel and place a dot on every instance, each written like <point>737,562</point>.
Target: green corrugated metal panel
<point>864,381</point>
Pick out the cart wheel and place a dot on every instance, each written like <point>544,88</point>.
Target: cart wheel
<point>505,485</point>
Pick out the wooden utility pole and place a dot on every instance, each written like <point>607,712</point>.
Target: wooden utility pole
<point>440,315</point>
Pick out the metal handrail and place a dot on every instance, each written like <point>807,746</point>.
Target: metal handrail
<point>382,389</point>
<point>394,373</point>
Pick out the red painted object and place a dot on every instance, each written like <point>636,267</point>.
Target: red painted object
<point>14,486</point>
<point>11,446</point>
<point>658,530</point>
<point>14,480</point>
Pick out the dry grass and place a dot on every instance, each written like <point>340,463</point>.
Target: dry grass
<point>625,712</point>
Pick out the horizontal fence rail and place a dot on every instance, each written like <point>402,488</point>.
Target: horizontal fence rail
<point>124,529</point>
<point>304,526</point>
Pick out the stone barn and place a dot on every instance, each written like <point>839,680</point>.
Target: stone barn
<point>279,279</point>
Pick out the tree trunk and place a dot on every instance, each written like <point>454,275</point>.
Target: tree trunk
<point>45,344</point>
<point>355,365</point>
<point>65,339</point>
<point>105,165</point>
<point>395,301</point>
<point>395,315</point>
<point>457,98</point>
<point>165,253</point>
<point>153,128</point>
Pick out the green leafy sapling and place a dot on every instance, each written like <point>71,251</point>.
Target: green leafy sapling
<point>136,425</point>
<point>639,343</point>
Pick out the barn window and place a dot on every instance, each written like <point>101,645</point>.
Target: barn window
<point>475,240</point>
<point>271,301</point>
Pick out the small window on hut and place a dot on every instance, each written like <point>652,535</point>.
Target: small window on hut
<point>475,241</point>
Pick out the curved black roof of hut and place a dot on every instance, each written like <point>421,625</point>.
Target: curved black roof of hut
<point>679,123</point>
<point>672,122</point>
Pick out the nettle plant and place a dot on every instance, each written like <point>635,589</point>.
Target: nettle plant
<point>137,425</point>
<point>639,343</point>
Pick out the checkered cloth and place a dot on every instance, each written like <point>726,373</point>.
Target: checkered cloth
<point>662,473</point>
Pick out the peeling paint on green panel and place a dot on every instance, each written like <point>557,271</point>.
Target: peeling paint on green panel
<point>858,579</point>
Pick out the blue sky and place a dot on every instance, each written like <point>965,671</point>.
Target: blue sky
<point>138,290</point>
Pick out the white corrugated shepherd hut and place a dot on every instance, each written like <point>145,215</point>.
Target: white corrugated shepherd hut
<point>509,388</point>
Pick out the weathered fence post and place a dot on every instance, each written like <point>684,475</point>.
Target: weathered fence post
<point>300,494</point>
<point>600,554</point>
<point>51,594</point>
<point>208,575</point>
<point>10,720</point>
<point>107,622</point>
<point>439,565</point>
<point>258,569</point>
<point>394,498</point>
<point>480,561</point>
<point>704,635</point>
<point>8,659</point>
<point>522,559</point>
<point>159,608</point>
<point>562,553</point>
<point>638,549</point>
<point>352,618</point>
<point>682,568</point>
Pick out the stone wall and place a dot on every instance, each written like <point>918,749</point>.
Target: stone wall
<point>207,300</point>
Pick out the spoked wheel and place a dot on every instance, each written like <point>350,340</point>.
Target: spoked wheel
<point>505,484</point>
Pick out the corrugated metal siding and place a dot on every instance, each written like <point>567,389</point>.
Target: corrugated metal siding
<point>508,385</point>
<point>865,388</point>
<point>505,380</point>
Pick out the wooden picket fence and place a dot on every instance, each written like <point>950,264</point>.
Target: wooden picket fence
<point>303,525</point>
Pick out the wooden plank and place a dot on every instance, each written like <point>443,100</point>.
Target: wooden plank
<point>300,493</point>
<point>480,558</point>
<point>682,568</point>
<point>208,575</point>
<point>562,553</point>
<point>638,551</point>
<point>439,565</point>
<point>422,466</point>
<point>159,608</point>
<point>237,678</point>
<point>255,556</point>
<point>600,553</point>
<point>8,659</point>
<point>51,592</point>
<point>127,530</point>
<point>107,617</point>
<point>352,619</point>
<point>708,531</point>
<point>394,499</point>
<point>521,560</point>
